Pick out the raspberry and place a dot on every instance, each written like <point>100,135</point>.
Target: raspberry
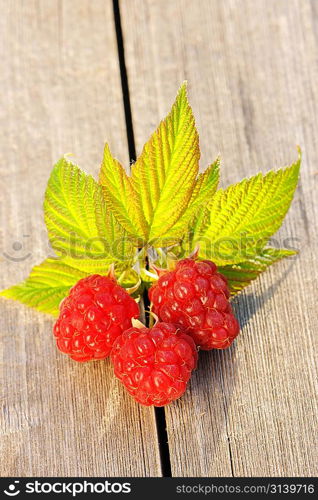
<point>195,297</point>
<point>96,311</point>
<point>154,364</point>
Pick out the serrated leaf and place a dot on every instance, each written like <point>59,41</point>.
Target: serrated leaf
<point>46,286</point>
<point>94,266</point>
<point>150,201</point>
<point>245,215</point>
<point>121,197</point>
<point>79,224</point>
<point>241,274</point>
<point>165,172</point>
<point>197,213</point>
<point>203,194</point>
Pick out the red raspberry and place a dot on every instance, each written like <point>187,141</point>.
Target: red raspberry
<point>92,316</point>
<point>154,364</point>
<point>195,297</point>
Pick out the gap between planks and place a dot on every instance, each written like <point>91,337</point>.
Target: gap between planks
<point>159,412</point>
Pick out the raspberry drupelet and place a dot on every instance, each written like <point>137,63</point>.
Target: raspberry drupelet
<point>96,311</point>
<point>154,364</point>
<point>195,297</point>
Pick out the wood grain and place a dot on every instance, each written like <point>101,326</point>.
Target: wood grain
<point>60,92</point>
<point>252,72</point>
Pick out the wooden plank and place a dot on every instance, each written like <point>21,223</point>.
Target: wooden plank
<point>60,92</point>
<point>252,72</point>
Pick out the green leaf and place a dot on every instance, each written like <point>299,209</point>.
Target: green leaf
<point>244,216</point>
<point>202,195</point>
<point>150,201</point>
<point>241,274</point>
<point>46,286</point>
<point>79,223</point>
<point>164,174</point>
<point>197,213</point>
<point>121,196</point>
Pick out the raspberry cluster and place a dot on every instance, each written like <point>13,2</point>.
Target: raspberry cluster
<point>196,298</point>
<point>154,364</point>
<point>94,314</point>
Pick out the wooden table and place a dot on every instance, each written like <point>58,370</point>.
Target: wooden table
<point>252,68</point>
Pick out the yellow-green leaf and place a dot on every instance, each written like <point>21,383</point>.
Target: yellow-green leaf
<point>79,223</point>
<point>46,286</point>
<point>241,274</point>
<point>164,174</point>
<point>244,216</point>
<point>197,213</point>
<point>121,196</point>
